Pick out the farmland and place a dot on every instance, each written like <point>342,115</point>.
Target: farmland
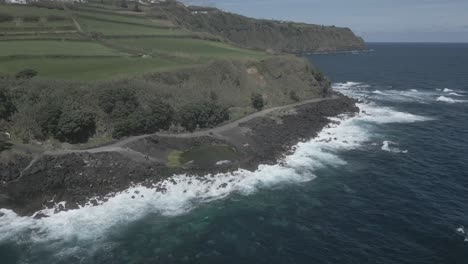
<point>94,41</point>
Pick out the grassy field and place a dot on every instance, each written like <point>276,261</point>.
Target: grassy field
<point>110,45</point>
<point>45,36</point>
<point>192,47</point>
<point>87,69</point>
<point>114,29</point>
<point>54,47</point>
<point>21,10</point>
<point>121,19</point>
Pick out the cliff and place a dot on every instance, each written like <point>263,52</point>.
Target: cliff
<point>261,34</point>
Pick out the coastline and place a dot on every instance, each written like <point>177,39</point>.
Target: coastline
<point>78,178</point>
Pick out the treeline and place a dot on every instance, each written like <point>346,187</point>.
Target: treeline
<point>72,113</point>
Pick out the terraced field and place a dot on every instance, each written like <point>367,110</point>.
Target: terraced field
<point>100,41</point>
<point>54,48</point>
<point>188,46</point>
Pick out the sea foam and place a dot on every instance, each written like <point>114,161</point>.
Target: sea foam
<point>449,100</point>
<point>391,147</point>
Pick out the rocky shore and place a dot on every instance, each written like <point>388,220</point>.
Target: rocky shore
<point>28,185</point>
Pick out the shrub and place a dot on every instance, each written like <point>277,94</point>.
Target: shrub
<point>136,8</point>
<point>202,114</point>
<point>119,102</point>
<point>48,117</point>
<point>124,4</point>
<point>294,96</point>
<point>156,116</point>
<point>56,18</point>
<point>319,76</point>
<point>5,17</point>
<point>30,19</point>
<point>213,96</point>
<point>47,4</point>
<point>75,125</point>
<point>4,144</point>
<point>26,74</point>
<point>6,105</point>
<point>257,101</point>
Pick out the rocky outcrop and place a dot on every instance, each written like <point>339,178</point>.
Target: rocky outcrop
<point>261,34</point>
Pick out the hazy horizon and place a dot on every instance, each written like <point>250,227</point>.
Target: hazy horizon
<point>375,21</point>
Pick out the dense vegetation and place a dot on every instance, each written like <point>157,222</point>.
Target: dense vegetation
<point>42,110</point>
<point>202,114</point>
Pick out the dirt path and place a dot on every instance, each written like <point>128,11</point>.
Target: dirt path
<point>120,145</point>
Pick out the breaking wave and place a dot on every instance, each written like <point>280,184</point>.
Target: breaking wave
<point>376,93</point>
<point>392,147</point>
<point>449,100</point>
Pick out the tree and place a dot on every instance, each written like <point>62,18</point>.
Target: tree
<point>319,76</point>
<point>75,125</point>
<point>136,8</point>
<point>6,105</point>
<point>48,117</point>
<point>119,102</point>
<point>124,4</point>
<point>202,114</point>
<point>257,101</point>
<point>26,74</point>
<point>294,96</point>
<point>155,116</point>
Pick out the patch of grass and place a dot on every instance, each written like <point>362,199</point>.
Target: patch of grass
<point>118,29</point>
<point>53,47</point>
<point>192,47</point>
<point>27,10</point>
<point>45,36</point>
<point>174,159</point>
<point>87,69</point>
<point>121,19</point>
<point>209,155</point>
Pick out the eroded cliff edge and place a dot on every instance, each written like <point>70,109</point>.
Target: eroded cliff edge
<point>279,36</point>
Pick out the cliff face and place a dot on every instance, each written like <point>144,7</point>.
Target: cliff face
<point>262,34</point>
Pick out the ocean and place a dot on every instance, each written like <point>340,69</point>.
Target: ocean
<point>389,185</point>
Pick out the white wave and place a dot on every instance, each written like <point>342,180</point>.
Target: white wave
<point>447,90</point>
<point>384,115</point>
<point>389,147</point>
<point>456,94</point>
<point>362,91</point>
<point>347,85</point>
<point>449,100</point>
<point>183,192</point>
<point>461,230</point>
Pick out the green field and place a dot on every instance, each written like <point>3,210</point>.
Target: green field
<point>121,19</point>
<point>116,29</point>
<point>106,42</point>
<point>192,47</point>
<point>21,10</point>
<point>54,47</point>
<point>87,69</point>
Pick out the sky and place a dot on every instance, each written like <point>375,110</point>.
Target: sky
<point>374,20</point>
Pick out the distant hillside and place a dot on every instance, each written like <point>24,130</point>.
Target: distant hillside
<point>260,34</point>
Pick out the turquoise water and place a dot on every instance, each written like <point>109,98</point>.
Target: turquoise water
<point>392,187</point>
